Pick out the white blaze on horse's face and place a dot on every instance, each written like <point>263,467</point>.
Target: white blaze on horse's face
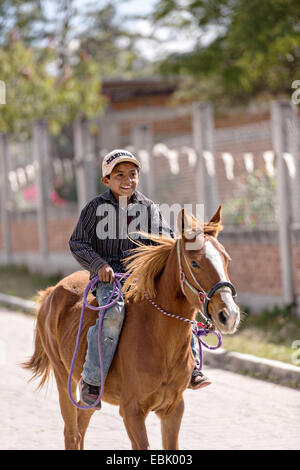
<point>229,316</point>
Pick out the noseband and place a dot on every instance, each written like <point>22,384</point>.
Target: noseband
<point>222,286</point>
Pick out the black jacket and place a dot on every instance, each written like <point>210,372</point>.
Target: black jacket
<point>100,236</point>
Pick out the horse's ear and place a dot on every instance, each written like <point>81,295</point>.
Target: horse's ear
<point>183,223</point>
<point>188,233</point>
<point>215,223</point>
<point>217,217</point>
<point>180,222</point>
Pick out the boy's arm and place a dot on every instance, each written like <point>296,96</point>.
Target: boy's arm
<point>80,242</point>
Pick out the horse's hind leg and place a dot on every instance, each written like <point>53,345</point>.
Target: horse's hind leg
<point>68,411</point>
<point>76,420</point>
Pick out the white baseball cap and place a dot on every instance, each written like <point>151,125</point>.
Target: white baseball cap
<point>117,156</point>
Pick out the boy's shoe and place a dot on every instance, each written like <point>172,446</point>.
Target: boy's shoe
<point>198,380</point>
<point>89,394</point>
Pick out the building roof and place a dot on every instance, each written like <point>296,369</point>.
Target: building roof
<point>123,90</point>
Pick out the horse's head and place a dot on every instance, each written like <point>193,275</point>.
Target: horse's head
<point>203,264</point>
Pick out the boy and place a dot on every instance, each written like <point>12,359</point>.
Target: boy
<point>99,245</point>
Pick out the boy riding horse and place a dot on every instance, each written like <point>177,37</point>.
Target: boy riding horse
<point>99,243</point>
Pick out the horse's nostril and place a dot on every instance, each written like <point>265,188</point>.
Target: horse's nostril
<point>222,317</point>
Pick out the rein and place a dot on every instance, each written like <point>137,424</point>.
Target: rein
<point>222,286</point>
<point>204,330</point>
<point>89,287</point>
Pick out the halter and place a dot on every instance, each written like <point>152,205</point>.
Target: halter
<point>222,286</point>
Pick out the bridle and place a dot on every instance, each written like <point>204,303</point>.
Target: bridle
<point>203,296</point>
<point>222,286</point>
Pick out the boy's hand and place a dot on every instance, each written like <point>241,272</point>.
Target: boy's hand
<point>106,274</point>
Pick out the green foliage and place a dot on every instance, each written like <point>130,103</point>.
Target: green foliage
<point>254,50</point>
<point>73,27</point>
<point>53,56</point>
<point>278,325</point>
<point>273,318</point>
<point>20,282</point>
<point>25,16</point>
<point>33,92</point>
<point>269,334</point>
<point>68,189</point>
<point>255,203</point>
<point>108,40</point>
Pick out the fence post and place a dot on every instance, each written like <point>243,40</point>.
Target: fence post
<point>5,192</point>
<point>109,132</point>
<point>84,163</point>
<point>293,163</point>
<point>41,155</point>
<point>203,141</point>
<point>281,114</point>
<point>142,141</point>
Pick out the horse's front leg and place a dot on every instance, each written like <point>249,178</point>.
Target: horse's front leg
<point>134,421</point>
<point>170,426</point>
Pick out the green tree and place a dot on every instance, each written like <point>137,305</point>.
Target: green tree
<point>34,92</point>
<point>53,57</point>
<point>73,27</point>
<point>25,16</point>
<point>254,51</point>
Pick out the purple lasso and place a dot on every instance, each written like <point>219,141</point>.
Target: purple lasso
<point>199,332</point>
<point>90,285</point>
<point>204,332</point>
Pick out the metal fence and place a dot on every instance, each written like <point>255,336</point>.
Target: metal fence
<point>252,170</point>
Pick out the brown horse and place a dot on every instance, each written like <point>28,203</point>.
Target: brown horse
<point>153,362</point>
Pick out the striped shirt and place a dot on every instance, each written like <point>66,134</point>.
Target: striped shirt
<point>100,236</point>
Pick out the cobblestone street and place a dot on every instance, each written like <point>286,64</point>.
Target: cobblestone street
<point>235,412</point>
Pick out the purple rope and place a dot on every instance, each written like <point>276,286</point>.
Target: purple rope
<point>172,315</point>
<point>199,332</point>
<point>204,332</point>
<point>90,285</point>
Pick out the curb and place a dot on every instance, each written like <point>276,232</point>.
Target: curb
<point>25,305</point>
<point>258,367</point>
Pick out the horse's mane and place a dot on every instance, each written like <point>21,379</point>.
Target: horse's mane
<point>147,262</point>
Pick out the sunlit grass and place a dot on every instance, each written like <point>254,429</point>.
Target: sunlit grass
<point>270,335</point>
<point>19,282</point>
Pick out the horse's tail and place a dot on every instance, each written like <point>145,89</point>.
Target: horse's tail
<point>39,362</point>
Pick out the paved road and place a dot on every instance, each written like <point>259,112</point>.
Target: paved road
<point>236,412</point>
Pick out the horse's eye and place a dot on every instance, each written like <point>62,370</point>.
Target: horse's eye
<point>195,264</point>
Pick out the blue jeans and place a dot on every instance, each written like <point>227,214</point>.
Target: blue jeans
<point>195,350</point>
<point>111,329</point>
